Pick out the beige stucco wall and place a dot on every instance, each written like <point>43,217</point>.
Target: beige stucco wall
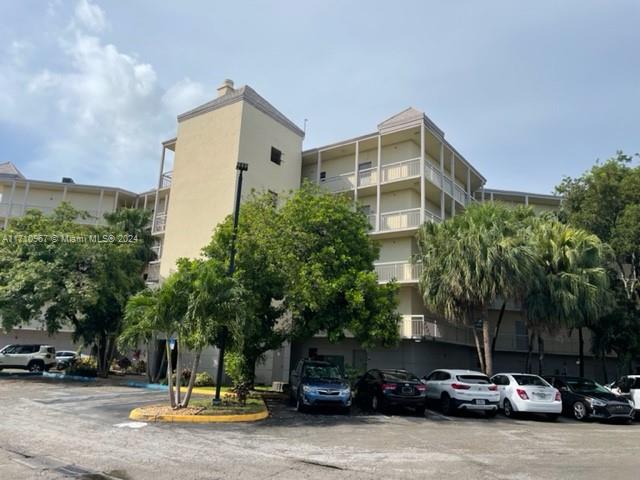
<point>203,181</point>
<point>204,175</point>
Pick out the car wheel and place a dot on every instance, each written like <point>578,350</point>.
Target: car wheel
<point>579,411</point>
<point>36,367</point>
<point>445,405</point>
<point>300,407</point>
<point>377,404</point>
<point>508,409</point>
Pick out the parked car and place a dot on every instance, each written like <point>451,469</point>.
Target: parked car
<point>456,390</point>
<point>381,389</point>
<point>629,388</point>
<point>583,398</point>
<point>528,394</point>
<point>35,358</point>
<point>65,358</point>
<point>315,383</point>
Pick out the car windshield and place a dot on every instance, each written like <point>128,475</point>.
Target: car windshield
<point>400,376</point>
<point>474,379</point>
<point>584,385</point>
<point>530,380</point>
<point>321,372</point>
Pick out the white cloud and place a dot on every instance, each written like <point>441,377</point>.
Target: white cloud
<point>90,16</point>
<point>100,113</point>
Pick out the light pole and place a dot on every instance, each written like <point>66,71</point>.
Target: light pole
<point>240,167</point>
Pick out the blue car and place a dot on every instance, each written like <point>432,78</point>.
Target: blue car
<point>319,384</point>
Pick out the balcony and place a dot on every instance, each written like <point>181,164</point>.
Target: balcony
<point>339,183</point>
<point>153,272</point>
<point>160,223</point>
<point>400,170</point>
<point>433,174</point>
<point>166,179</point>
<point>460,195</point>
<point>401,272</point>
<point>157,249</point>
<point>401,220</point>
<point>415,327</point>
<point>367,177</point>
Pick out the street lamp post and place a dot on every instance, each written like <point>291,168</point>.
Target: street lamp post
<point>240,167</point>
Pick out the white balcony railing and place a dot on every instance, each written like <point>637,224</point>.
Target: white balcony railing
<point>339,183</point>
<point>415,326</point>
<point>460,195</point>
<point>402,272</point>
<point>400,170</point>
<point>432,174</point>
<point>367,177</point>
<point>167,177</point>
<point>400,220</point>
<point>447,185</point>
<point>153,272</point>
<point>157,249</point>
<point>160,223</point>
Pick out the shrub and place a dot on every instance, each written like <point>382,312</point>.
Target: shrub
<point>203,379</point>
<point>234,365</point>
<point>83,367</point>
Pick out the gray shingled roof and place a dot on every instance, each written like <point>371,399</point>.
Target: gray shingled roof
<point>249,95</point>
<point>8,169</point>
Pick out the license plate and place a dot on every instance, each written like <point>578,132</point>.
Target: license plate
<point>479,402</point>
<point>540,396</point>
<point>407,390</point>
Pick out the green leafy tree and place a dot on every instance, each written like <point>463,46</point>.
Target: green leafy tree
<point>188,307</point>
<point>306,266</point>
<point>571,288</point>
<point>605,200</point>
<point>62,272</point>
<point>470,261</point>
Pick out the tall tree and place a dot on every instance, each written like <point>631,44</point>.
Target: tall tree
<point>306,263</point>
<point>66,273</point>
<point>572,287</point>
<point>605,200</point>
<point>470,261</point>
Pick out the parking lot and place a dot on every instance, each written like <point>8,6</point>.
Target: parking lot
<point>61,430</point>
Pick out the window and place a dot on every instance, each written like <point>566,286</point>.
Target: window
<point>276,156</point>
<point>364,166</point>
<point>323,176</point>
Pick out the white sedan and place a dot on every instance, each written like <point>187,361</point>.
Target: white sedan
<point>520,392</point>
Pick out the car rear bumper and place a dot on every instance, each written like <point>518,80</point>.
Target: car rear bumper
<point>402,401</point>
<point>475,404</point>
<point>528,406</point>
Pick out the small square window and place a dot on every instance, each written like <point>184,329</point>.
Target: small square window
<point>276,156</point>
<point>323,176</point>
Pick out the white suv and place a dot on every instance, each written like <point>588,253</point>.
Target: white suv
<point>462,390</point>
<point>35,358</point>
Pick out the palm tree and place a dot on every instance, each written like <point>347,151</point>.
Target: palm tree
<point>572,287</point>
<point>471,260</point>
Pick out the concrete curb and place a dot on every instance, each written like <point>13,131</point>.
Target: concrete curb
<point>137,414</point>
<point>165,388</point>
<point>53,376</point>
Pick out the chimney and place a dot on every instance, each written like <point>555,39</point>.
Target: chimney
<point>225,88</point>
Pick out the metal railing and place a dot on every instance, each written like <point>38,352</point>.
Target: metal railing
<point>460,195</point>
<point>415,326</point>
<point>402,272</point>
<point>367,177</point>
<point>153,272</point>
<point>400,220</point>
<point>157,249</point>
<point>400,170</point>
<point>167,177</point>
<point>160,222</point>
<point>433,174</point>
<point>339,183</point>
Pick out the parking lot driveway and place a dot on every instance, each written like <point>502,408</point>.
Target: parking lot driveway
<point>55,430</point>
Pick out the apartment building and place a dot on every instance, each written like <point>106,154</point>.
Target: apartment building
<point>402,174</point>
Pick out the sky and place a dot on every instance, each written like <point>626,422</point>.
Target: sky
<point>526,91</point>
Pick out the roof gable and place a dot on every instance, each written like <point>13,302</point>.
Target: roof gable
<point>407,118</point>
<point>8,169</point>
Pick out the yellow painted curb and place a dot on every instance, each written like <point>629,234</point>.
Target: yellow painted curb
<point>137,414</point>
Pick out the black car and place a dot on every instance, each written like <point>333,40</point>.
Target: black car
<point>583,398</point>
<point>379,390</point>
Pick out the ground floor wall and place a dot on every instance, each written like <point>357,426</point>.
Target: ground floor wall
<point>60,340</point>
<point>425,356</point>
